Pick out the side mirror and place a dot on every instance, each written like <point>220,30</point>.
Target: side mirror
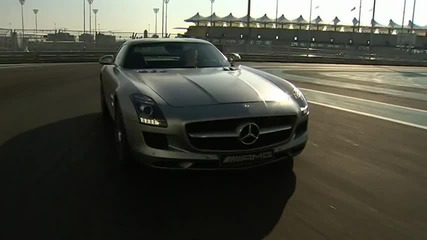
<point>106,60</point>
<point>234,57</point>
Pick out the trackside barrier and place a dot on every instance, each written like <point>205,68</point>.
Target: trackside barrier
<point>93,56</point>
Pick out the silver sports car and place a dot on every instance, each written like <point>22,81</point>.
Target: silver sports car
<point>182,104</point>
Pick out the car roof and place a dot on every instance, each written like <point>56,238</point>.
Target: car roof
<point>167,40</point>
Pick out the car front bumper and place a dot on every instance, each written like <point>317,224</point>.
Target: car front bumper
<point>175,156</point>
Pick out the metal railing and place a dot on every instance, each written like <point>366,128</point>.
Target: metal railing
<point>51,57</point>
<point>296,56</point>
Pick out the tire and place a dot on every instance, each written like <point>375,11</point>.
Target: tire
<point>288,164</point>
<point>104,106</point>
<point>124,155</point>
<point>298,150</point>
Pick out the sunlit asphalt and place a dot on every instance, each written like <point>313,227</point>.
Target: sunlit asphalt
<point>363,174</point>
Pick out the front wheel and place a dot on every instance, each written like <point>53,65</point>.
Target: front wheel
<point>122,147</point>
<point>104,106</point>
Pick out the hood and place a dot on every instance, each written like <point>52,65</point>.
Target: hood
<point>198,87</point>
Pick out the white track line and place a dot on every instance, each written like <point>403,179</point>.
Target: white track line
<point>364,100</point>
<point>370,115</point>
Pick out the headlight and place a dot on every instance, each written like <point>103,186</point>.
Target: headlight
<point>148,111</point>
<point>300,99</point>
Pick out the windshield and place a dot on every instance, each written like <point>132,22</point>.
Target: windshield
<point>174,55</point>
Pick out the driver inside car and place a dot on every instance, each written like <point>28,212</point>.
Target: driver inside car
<point>190,58</point>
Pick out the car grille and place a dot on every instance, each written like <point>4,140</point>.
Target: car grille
<point>223,135</point>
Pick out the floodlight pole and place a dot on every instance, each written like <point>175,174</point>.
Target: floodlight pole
<point>156,11</point>
<point>309,29</point>
<point>163,18</point>
<point>84,16</point>
<point>360,14</point>
<point>403,15</point>
<point>166,18</point>
<point>277,11</point>
<point>212,2</point>
<point>36,11</point>
<point>372,24</point>
<point>22,2</point>
<point>95,11</point>
<point>413,16</point>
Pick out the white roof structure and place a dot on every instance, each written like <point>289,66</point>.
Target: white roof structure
<point>318,20</point>
<point>336,20</point>
<point>355,21</point>
<point>393,25</point>
<point>229,18</point>
<point>266,22</point>
<point>245,19</point>
<point>264,19</point>
<point>299,20</point>
<point>377,24</point>
<point>415,26</point>
<point>213,18</point>
<point>282,19</point>
<point>196,18</point>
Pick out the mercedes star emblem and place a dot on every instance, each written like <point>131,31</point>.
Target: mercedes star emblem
<point>249,133</point>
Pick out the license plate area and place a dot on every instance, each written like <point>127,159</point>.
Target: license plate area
<point>246,159</point>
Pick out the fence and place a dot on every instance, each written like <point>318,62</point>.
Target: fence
<point>50,57</point>
<point>55,57</point>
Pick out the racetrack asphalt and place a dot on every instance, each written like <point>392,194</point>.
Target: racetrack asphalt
<point>359,178</point>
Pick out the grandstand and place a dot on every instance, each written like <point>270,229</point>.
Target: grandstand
<point>282,31</point>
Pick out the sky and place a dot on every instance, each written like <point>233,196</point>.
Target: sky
<point>138,15</point>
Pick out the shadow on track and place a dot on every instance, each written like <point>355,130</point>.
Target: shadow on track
<point>61,181</point>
